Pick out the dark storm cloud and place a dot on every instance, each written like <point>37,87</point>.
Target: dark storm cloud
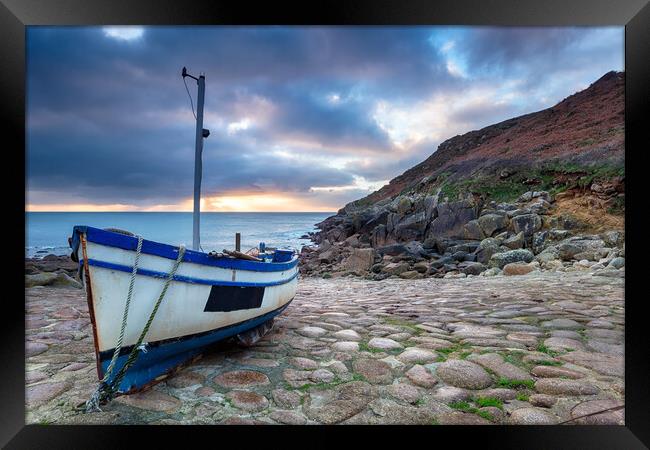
<point>134,166</point>
<point>109,120</point>
<point>305,112</point>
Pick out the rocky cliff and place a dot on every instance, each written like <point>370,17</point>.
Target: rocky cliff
<point>521,191</point>
<point>576,137</point>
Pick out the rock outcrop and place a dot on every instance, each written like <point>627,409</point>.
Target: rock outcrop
<point>469,237</point>
<point>524,191</point>
<point>52,270</point>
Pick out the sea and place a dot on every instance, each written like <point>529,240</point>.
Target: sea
<point>48,232</point>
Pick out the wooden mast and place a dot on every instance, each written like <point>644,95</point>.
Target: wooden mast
<point>201,133</point>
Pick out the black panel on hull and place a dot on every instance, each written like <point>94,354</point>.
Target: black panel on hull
<point>234,298</point>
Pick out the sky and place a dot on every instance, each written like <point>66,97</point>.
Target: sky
<point>300,118</point>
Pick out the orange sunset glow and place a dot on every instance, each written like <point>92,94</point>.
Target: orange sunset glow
<point>266,202</point>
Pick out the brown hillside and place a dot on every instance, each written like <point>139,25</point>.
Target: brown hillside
<point>584,129</point>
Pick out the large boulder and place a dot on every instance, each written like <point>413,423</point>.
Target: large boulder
<point>336,234</point>
<point>486,249</point>
<point>519,255</point>
<point>569,248</point>
<point>463,256</point>
<point>517,269</point>
<point>565,221</point>
<point>462,246</point>
<point>328,256</point>
<point>411,249</point>
<point>547,255</point>
<point>540,206</point>
<point>472,230</point>
<point>352,241</point>
<point>515,241</point>
<point>539,241</point>
<point>472,268</point>
<point>411,275</point>
<point>53,263</point>
<point>325,246</point>
<point>395,268</point>
<point>377,218</point>
<point>40,279</point>
<point>613,238</point>
<point>451,219</point>
<point>617,262</point>
<point>526,223</point>
<point>414,249</point>
<point>411,226</point>
<point>51,279</point>
<point>441,262</point>
<point>360,261</point>
<point>491,223</point>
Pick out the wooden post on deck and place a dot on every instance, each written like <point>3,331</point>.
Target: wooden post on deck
<point>238,242</point>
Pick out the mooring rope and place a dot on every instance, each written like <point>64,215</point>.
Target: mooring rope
<point>137,346</point>
<point>118,347</point>
<point>93,403</point>
<point>615,408</point>
<point>106,391</point>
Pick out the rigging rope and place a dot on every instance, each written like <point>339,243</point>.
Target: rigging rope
<point>190,96</point>
<point>106,391</point>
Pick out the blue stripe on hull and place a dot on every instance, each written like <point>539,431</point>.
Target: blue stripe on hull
<point>118,240</point>
<point>182,278</point>
<point>162,358</point>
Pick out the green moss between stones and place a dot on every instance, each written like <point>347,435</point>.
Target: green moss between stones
<point>486,415</point>
<point>403,324</point>
<point>466,407</point>
<point>549,363</point>
<point>516,384</point>
<point>460,405</point>
<point>488,401</point>
<point>363,347</point>
<point>522,396</point>
<point>544,349</point>
<point>306,387</point>
<point>358,377</point>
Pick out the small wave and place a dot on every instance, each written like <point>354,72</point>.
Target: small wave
<point>42,251</point>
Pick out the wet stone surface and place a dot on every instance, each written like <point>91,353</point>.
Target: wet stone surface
<point>540,348</point>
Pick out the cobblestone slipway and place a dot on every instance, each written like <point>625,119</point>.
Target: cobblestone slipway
<point>541,348</point>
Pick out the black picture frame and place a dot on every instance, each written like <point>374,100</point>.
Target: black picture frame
<point>15,15</point>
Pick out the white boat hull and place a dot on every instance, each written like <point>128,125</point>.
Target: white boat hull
<point>204,302</point>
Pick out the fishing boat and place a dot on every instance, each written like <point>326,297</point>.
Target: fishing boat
<point>155,307</point>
